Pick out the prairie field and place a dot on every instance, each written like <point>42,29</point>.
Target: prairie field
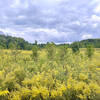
<point>96,57</point>
<point>49,49</point>
<point>56,76</point>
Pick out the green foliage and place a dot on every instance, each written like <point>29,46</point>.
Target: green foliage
<point>35,42</point>
<point>90,51</point>
<point>8,42</point>
<point>12,46</point>
<point>35,53</point>
<point>50,48</point>
<point>63,52</point>
<point>94,42</point>
<point>75,47</point>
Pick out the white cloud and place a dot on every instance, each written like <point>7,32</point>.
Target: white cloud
<point>97,9</point>
<point>47,32</point>
<point>12,32</point>
<point>95,25</point>
<point>95,18</point>
<point>32,34</point>
<point>15,3</point>
<point>95,2</point>
<point>46,20</point>
<point>87,36</point>
<point>21,17</point>
<point>19,4</point>
<point>77,23</point>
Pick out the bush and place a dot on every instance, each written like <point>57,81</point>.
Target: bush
<point>35,53</point>
<point>50,48</point>
<point>90,51</point>
<point>75,47</point>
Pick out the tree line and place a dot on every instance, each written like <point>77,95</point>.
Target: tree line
<point>9,42</point>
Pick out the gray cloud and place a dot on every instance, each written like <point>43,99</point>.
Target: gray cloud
<point>50,20</point>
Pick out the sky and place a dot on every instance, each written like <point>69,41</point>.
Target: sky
<point>58,21</point>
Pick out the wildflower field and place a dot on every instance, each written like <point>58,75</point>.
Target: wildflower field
<point>61,75</point>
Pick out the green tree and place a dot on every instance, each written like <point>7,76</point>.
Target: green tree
<point>90,51</point>
<point>35,53</point>
<point>36,42</point>
<point>12,45</point>
<point>75,47</point>
<point>50,48</point>
<point>1,47</point>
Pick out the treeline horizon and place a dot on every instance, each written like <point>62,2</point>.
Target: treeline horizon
<point>9,42</point>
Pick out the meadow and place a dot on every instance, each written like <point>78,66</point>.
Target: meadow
<point>58,74</point>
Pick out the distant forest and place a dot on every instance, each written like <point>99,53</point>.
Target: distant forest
<point>9,42</point>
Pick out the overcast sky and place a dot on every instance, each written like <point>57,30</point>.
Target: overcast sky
<point>50,20</point>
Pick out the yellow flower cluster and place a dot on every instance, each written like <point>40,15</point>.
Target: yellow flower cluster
<point>83,76</point>
<point>70,79</point>
<point>83,89</point>
<point>43,84</point>
<point>4,93</point>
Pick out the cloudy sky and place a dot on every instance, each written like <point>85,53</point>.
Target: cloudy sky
<point>50,20</point>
